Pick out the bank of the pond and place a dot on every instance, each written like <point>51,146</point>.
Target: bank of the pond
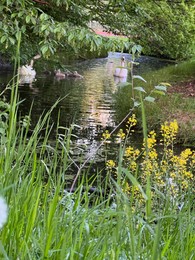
<point>178,103</point>
<point>185,88</point>
<point>184,91</point>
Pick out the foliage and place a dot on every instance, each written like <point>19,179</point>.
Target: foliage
<point>50,26</point>
<point>163,28</point>
<point>57,25</point>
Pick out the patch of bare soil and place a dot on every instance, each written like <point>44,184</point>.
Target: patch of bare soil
<point>185,118</point>
<point>185,88</point>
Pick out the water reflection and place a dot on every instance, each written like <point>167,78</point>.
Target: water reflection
<point>88,101</point>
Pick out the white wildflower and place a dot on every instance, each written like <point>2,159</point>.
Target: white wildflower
<point>3,212</point>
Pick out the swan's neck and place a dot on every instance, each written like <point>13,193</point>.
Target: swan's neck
<point>31,63</point>
<point>122,64</point>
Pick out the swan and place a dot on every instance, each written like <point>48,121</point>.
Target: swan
<point>76,74</point>
<point>59,74</point>
<point>27,70</point>
<point>121,72</point>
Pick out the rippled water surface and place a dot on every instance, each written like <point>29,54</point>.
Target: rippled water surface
<point>88,102</point>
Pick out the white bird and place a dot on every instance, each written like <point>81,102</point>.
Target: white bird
<point>27,70</point>
<point>59,74</point>
<point>121,72</point>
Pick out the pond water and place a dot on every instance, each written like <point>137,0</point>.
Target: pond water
<point>88,101</point>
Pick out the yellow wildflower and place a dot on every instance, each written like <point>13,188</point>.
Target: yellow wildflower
<point>121,134</point>
<point>152,154</point>
<point>186,153</point>
<point>131,152</point>
<point>151,140</point>
<point>110,164</point>
<point>126,188</point>
<point>169,131</point>
<point>106,135</point>
<point>133,166</point>
<point>132,121</point>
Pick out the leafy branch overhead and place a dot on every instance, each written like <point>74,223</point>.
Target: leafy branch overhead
<point>163,28</point>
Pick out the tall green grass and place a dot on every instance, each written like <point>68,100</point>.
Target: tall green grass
<point>47,222</point>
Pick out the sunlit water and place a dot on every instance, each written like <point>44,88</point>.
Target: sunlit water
<point>88,102</point>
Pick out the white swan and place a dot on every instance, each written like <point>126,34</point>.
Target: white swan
<point>121,72</point>
<point>59,74</point>
<point>27,70</point>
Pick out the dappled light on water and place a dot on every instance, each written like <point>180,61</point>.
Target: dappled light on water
<point>88,101</point>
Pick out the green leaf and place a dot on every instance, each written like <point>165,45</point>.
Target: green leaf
<point>149,99</point>
<point>124,84</point>
<point>43,17</point>
<point>140,89</point>
<point>3,38</point>
<point>12,40</point>
<point>135,63</point>
<point>136,104</point>
<point>136,48</point>
<point>139,77</point>
<point>159,92</point>
<point>44,27</point>
<point>161,87</point>
<point>44,49</point>
<point>18,35</point>
<point>28,18</point>
<point>165,84</point>
<point>33,20</point>
<point>135,182</point>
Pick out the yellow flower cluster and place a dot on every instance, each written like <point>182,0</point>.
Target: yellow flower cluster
<point>169,173</point>
<point>138,195</point>
<point>110,164</point>
<point>131,155</point>
<point>151,140</point>
<point>126,187</point>
<point>169,132</point>
<point>192,163</point>
<point>121,134</point>
<point>149,146</point>
<point>106,135</point>
<point>181,172</point>
<point>150,159</point>
<point>130,152</point>
<point>132,121</point>
<point>186,153</point>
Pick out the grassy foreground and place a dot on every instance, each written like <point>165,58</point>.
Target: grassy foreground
<point>146,213</point>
